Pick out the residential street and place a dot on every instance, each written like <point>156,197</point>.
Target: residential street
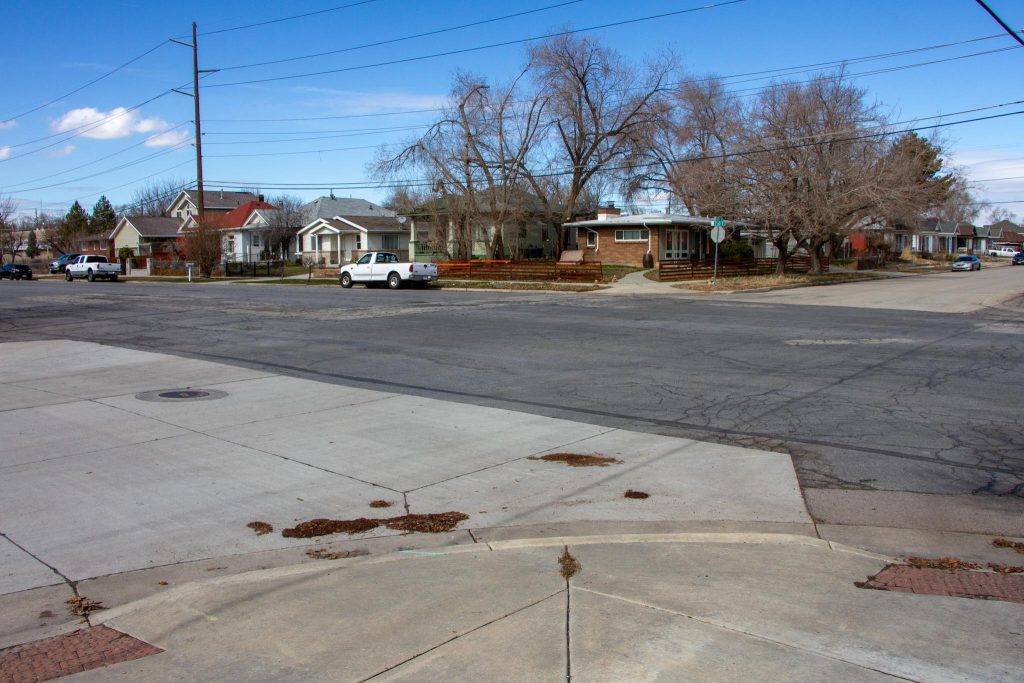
<point>137,469</point>
<point>874,404</point>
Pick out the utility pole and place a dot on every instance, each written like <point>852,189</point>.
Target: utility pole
<point>198,121</point>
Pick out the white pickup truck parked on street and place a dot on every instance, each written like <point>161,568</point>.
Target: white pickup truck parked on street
<point>91,267</point>
<point>384,268</point>
<point>1002,251</point>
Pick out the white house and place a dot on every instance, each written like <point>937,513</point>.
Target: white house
<point>342,239</point>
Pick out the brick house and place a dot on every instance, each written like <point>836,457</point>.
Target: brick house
<point>615,239</point>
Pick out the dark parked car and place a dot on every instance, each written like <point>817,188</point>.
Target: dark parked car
<point>15,271</point>
<point>58,265</point>
<point>967,263</point>
<point>1018,259</point>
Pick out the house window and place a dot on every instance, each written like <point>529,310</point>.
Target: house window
<point>255,240</point>
<point>359,241</point>
<point>591,239</point>
<point>231,244</point>
<point>389,241</point>
<point>631,235</point>
<point>312,242</point>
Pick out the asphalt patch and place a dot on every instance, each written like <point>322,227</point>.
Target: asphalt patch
<point>578,460</point>
<point>434,523</point>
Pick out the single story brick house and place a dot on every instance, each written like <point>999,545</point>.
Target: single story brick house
<point>612,238</point>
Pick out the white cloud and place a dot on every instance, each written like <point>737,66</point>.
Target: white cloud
<point>64,151</point>
<point>353,102</point>
<point>8,124</point>
<point>107,125</point>
<point>5,152</point>
<point>171,138</point>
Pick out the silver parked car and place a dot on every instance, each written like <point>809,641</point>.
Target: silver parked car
<point>967,263</point>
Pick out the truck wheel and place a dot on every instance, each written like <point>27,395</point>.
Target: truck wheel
<point>346,280</point>
<point>394,280</point>
<point>67,276</point>
<point>113,278</point>
<point>90,276</point>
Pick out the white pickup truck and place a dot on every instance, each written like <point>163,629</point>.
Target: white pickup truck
<point>91,267</point>
<point>1002,251</point>
<point>384,268</point>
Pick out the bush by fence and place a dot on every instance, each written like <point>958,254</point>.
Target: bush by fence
<point>704,269</point>
<point>528,271</point>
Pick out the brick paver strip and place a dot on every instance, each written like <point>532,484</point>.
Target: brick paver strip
<point>88,648</point>
<point>952,582</point>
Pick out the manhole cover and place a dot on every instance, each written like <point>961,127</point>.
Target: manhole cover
<point>178,395</point>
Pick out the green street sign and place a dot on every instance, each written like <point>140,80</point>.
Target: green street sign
<point>718,222</point>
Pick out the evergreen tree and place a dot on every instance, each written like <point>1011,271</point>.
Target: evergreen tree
<point>32,248</point>
<point>76,221</point>
<point>104,218</point>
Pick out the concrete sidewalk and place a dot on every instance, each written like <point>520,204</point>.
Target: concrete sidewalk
<point>117,488</point>
<point>708,608</point>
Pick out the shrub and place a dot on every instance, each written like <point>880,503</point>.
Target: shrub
<point>735,251</point>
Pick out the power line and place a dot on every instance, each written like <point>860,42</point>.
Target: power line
<point>480,47</point>
<point>291,18</point>
<point>1001,22</point>
<point>90,83</point>
<point>120,167</point>
<point>398,40</point>
<point>364,184</point>
<point>94,161</point>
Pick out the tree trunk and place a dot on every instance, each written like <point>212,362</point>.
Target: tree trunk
<point>815,247</point>
<point>782,246</point>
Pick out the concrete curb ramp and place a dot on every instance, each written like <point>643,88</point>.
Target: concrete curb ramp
<point>671,606</point>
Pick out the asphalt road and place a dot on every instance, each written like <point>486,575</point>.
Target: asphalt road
<point>869,399</point>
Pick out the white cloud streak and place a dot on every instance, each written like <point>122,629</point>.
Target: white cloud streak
<point>107,125</point>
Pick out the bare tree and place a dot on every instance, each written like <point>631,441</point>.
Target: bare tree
<point>685,153</point>
<point>598,105</point>
<point>154,198</point>
<point>821,165</point>
<point>285,220</point>
<point>202,245</point>
<point>10,237</point>
<point>475,157</point>
<point>1001,213</point>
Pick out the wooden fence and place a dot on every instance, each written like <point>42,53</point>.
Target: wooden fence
<point>532,271</point>
<point>704,269</point>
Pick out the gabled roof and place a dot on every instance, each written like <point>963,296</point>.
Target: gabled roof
<point>235,218</point>
<point>329,207</point>
<point>150,226</point>
<point>936,226</point>
<point>352,224</point>
<point>216,200</point>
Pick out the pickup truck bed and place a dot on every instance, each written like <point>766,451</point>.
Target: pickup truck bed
<point>92,267</point>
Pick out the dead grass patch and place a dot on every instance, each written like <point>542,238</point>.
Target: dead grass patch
<point>569,565</point>
<point>1007,543</point>
<point>260,527</point>
<point>433,523</point>
<point>578,460</point>
<point>639,495</point>
<point>739,284</point>
<point>325,554</point>
<point>941,563</point>
<point>1005,568</point>
<point>381,503</point>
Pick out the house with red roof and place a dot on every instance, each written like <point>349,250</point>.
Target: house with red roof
<point>243,230</point>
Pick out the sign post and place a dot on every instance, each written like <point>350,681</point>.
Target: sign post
<point>717,234</point>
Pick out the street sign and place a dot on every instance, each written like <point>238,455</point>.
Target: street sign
<point>717,234</point>
<point>718,222</point>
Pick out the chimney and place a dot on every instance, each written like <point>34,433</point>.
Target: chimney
<point>260,198</point>
<point>603,212</point>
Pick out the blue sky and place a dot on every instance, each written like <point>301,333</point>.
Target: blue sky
<point>52,48</point>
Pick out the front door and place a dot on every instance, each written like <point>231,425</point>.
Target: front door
<point>677,244</point>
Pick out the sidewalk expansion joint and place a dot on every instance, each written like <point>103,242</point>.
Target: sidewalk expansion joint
<point>73,585</point>
<point>461,635</point>
<point>732,629</point>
